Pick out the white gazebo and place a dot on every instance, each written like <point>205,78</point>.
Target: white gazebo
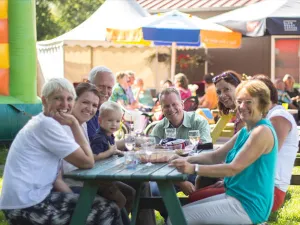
<point>74,53</point>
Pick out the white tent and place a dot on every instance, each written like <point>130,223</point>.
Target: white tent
<point>74,53</point>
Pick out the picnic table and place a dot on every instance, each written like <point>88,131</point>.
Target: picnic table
<point>113,169</point>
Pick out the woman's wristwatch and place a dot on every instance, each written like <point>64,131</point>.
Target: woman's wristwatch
<point>197,167</point>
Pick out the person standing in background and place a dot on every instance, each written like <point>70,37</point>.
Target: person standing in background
<point>181,83</point>
<point>294,94</point>
<point>283,96</point>
<point>129,92</point>
<point>142,96</point>
<point>210,99</point>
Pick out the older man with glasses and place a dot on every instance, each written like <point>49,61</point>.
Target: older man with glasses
<point>104,79</point>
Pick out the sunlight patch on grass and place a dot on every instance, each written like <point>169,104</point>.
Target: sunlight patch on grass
<point>289,213</point>
<point>296,170</point>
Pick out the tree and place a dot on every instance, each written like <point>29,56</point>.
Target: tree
<point>74,12</point>
<point>47,26</point>
<point>55,17</point>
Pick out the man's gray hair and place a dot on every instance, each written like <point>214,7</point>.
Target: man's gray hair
<point>168,91</point>
<point>97,70</point>
<point>109,106</point>
<point>57,84</point>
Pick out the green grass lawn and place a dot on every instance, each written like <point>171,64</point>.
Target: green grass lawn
<point>289,214</point>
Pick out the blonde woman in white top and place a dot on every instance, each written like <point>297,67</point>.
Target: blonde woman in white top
<point>34,161</point>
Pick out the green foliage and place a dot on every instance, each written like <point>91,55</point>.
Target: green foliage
<point>74,12</point>
<point>56,17</point>
<point>46,25</point>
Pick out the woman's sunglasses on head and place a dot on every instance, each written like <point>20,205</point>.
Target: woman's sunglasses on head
<point>223,76</point>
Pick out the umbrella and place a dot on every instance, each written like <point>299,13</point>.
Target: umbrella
<point>177,28</point>
<point>280,17</point>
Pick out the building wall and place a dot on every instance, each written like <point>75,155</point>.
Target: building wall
<point>253,57</point>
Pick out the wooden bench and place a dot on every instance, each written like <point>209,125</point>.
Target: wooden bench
<point>295,180</point>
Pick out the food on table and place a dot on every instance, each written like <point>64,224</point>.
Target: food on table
<point>157,156</point>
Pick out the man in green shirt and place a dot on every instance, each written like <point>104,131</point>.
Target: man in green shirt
<point>176,117</point>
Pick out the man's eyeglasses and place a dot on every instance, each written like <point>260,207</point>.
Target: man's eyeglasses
<point>224,75</point>
<point>246,102</point>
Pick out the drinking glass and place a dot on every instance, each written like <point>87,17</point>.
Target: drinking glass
<point>194,136</point>
<point>129,142</point>
<point>149,146</point>
<point>170,132</point>
<point>130,157</point>
<point>131,127</point>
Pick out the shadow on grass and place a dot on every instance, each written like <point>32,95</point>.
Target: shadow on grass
<point>3,153</point>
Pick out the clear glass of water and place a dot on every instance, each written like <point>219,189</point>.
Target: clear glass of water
<point>149,146</point>
<point>129,142</point>
<point>130,158</point>
<point>170,132</point>
<point>194,136</point>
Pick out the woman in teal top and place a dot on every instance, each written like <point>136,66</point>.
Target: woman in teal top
<point>249,168</point>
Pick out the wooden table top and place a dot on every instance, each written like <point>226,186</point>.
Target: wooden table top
<point>113,168</point>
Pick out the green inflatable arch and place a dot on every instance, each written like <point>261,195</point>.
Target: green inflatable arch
<point>18,71</point>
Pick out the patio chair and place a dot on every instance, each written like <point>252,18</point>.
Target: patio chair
<point>191,103</point>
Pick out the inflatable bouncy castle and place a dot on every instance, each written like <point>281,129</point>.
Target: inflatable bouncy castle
<point>18,72</point>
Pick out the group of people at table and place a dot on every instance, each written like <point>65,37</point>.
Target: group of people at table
<point>251,171</point>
